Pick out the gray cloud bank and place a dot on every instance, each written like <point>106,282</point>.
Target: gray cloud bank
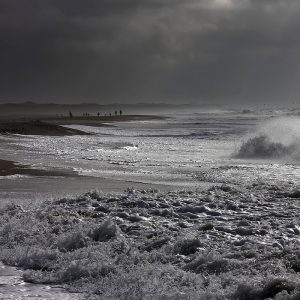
<point>221,51</point>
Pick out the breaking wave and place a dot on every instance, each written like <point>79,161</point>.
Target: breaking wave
<point>263,147</point>
<point>275,138</point>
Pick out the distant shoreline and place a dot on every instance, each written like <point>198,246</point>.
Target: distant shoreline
<point>154,108</point>
<point>53,125</point>
<point>99,121</point>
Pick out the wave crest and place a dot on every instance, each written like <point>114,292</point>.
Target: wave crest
<point>274,138</point>
<point>263,147</point>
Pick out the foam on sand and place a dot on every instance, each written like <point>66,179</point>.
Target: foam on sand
<point>220,243</point>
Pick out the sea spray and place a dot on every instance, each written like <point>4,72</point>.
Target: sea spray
<point>262,147</point>
<point>274,138</point>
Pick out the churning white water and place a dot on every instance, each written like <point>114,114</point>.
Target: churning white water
<point>274,138</point>
<point>217,147</point>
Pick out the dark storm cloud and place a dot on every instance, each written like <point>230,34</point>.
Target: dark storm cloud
<point>149,50</point>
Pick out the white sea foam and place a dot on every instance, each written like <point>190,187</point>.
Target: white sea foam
<point>133,147</point>
<point>140,243</point>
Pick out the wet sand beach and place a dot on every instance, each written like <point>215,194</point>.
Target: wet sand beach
<point>51,125</point>
<point>27,190</point>
<point>24,185</point>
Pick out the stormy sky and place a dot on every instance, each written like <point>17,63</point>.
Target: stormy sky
<point>177,51</point>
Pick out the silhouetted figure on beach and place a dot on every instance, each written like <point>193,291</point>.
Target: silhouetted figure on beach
<point>116,112</point>
<point>70,114</point>
<point>121,112</point>
<point>105,114</point>
<point>110,114</point>
<point>98,114</point>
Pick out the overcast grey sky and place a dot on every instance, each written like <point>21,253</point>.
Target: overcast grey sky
<point>180,51</point>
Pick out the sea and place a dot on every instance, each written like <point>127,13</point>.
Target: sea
<point>186,150</point>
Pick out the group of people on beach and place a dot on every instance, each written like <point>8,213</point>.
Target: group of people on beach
<point>98,114</point>
<point>109,114</point>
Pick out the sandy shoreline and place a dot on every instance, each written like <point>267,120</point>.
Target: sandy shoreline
<point>37,185</point>
<point>53,126</point>
<point>26,190</point>
<point>98,121</point>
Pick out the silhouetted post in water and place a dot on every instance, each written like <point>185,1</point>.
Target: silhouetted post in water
<point>70,114</point>
<point>121,112</point>
<point>116,112</point>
